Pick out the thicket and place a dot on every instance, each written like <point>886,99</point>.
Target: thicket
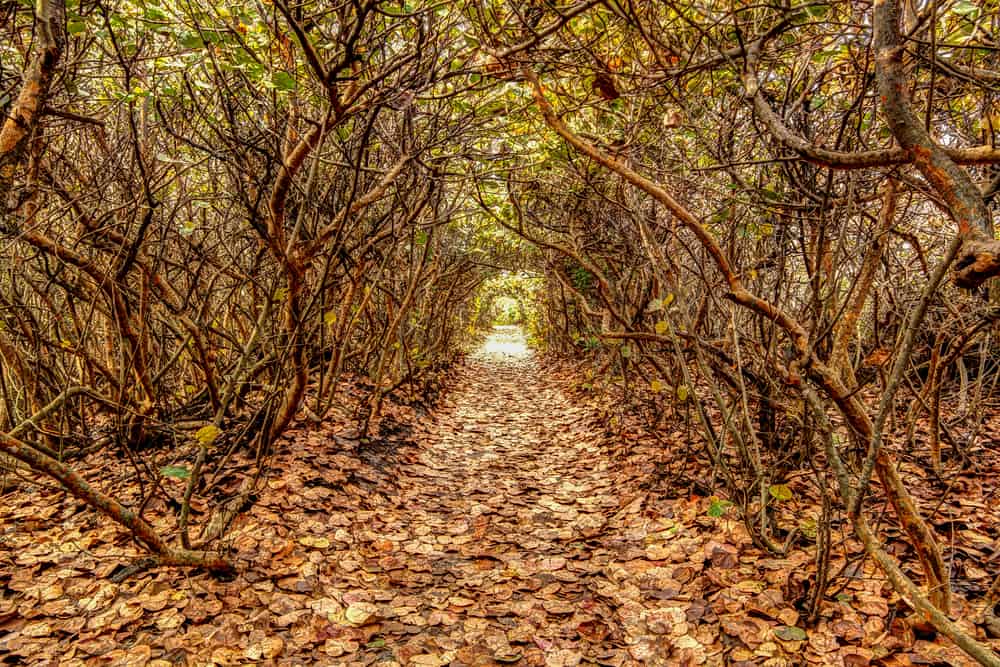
<point>779,214</point>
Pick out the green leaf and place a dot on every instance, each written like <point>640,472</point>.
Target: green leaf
<point>420,238</point>
<point>329,317</point>
<point>283,80</point>
<point>180,472</point>
<point>790,633</point>
<point>780,492</point>
<point>405,10</point>
<point>718,507</point>
<point>626,351</point>
<point>818,11</point>
<point>75,26</point>
<point>154,13</point>
<point>682,392</point>
<point>964,8</point>
<point>191,40</point>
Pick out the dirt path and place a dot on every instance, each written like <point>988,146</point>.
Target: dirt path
<point>504,506</point>
<point>517,540</point>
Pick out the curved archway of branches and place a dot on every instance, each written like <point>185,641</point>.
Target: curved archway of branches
<point>778,218</point>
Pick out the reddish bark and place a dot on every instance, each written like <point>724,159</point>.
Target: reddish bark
<point>18,127</point>
<point>979,257</point>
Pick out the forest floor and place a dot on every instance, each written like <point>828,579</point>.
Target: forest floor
<point>504,527</point>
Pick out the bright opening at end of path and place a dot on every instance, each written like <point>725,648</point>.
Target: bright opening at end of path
<point>507,340</point>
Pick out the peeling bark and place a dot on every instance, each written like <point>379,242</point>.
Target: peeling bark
<point>979,257</point>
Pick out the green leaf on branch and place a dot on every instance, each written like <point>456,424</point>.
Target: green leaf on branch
<point>964,8</point>
<point>283,81</point>
<point>154,13</point>
<point>818,11</point>
<point>191,40</point>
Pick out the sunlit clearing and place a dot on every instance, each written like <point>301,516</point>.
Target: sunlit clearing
<point>506,341</point>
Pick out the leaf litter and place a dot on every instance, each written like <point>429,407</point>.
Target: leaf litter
<point>509,526</point>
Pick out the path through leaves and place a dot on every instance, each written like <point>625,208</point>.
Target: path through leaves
<point>504,508</point>
<point>508,537</point>
<point>507,527</point>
